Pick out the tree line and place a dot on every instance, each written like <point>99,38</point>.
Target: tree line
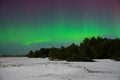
<point>89,49</point>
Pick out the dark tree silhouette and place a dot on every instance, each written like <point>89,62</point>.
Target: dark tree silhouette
<point>89,49</point>
<point>30,54</point>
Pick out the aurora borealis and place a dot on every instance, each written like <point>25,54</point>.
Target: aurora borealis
<point>30,24</point>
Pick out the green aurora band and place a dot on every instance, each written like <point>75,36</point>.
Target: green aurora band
<point>63,33</point>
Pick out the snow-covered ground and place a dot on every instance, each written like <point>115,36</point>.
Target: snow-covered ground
<point>42,69</point>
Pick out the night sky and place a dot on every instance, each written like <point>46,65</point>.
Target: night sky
<point>31,24</point>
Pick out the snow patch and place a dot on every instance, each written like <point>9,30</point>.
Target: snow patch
<point>43,69</point>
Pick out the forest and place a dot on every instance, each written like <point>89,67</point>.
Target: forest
<point>87,50</point>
